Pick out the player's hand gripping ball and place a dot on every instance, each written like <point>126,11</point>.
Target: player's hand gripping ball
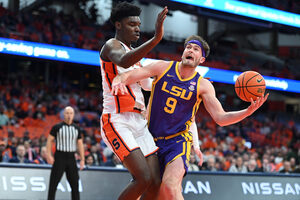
<point>250,84</point>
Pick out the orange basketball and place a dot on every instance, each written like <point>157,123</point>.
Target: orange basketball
<point>250,84</point>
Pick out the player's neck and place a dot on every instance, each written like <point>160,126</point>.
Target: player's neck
<point>123,39</point>
<point>185,71</point>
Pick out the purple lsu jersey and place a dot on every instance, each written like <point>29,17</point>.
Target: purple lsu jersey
<point>173,103</point>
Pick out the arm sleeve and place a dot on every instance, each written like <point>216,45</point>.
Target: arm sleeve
<point>54,130</point>
<point>194,131</point>
<point>79,133</point>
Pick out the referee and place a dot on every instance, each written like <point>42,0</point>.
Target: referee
<point>68,137</point>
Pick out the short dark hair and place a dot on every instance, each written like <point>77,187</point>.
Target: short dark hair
<point>200,39</point>
<point>123,10</point>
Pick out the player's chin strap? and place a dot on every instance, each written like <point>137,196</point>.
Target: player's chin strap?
<point>199,44</point>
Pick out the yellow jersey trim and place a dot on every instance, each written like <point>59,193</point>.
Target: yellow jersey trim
<point>179,155</point>
<point>153,89</point>
<point>198,89</point>
<point>178,75</point>
<point>150,101</point>
<point>186,146</point>
<point>199,99</point>
<point>188,152</point>
<point>170,136</point>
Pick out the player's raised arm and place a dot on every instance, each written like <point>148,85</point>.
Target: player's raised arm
<point>215,109</point>
<point>132,57</point>
<point>116,53</point>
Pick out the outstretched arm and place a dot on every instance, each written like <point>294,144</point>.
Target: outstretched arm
<point>116,53</point>
<point>215,109</point>
<point>153,69</point>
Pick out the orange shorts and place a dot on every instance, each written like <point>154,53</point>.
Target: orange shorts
<point>125,132</point>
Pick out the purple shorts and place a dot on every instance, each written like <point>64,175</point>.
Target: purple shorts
<point>171,149</point>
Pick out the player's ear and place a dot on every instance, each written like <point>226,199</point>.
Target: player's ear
<point>118,25</point>
<point>202,60</point>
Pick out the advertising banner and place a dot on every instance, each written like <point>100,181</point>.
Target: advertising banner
<point>107,183</point>
<point>248,10</point>
<point>88,57</point>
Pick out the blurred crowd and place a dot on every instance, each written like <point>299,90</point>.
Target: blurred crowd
<point>51,27</point>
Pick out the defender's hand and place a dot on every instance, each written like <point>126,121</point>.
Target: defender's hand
<point>118,85</point>
<point>159,28</point>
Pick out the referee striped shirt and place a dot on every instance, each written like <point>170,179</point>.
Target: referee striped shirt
<point>66,136</point>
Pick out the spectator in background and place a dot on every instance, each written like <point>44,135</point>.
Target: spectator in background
<point>193,164</point>
<point>88,141</point>
<point>13,145</point>
<point>252,166</point>
<point>286,167</point>
<point>42,158</point>
<point>293,163</point>
<point>89,160</point>
<point>297,169</point>
<point>3,118</point>
<point>30,152</point>
<point>42,140</point>
<point>239,166</point>
<point>114,162</point>
<point>5,154</point>
<point>10,113</point>
<point>39,114</point>
<point>221,164</point>
<point>97,156</point>
<point>26,136</point>
<point>267,166</point>
<point>278,160</point>
<point>20,157</point>
<point>210,164</point>
<point>246,157</point>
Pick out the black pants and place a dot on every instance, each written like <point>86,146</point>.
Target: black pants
<point>64,162</point>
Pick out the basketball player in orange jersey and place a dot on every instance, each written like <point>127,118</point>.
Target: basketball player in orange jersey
<point>176,94</point>
<point>123,127</point>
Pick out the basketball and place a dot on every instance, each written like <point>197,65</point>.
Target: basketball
<point>250,84</point>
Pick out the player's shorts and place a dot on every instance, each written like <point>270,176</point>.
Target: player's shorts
<point>126,132</point>
<point>175,147</point>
